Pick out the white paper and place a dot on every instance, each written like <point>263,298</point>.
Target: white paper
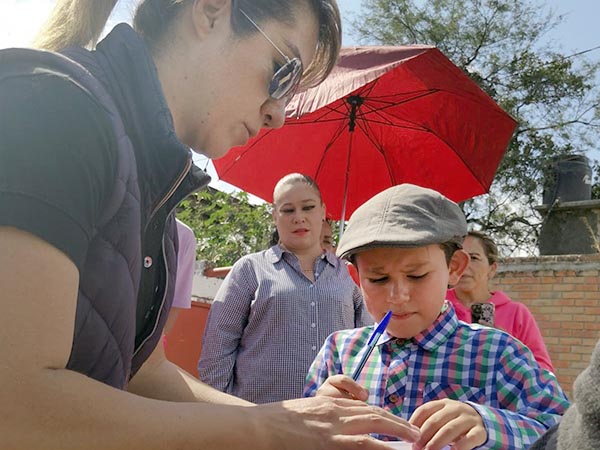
<point>400,445</point>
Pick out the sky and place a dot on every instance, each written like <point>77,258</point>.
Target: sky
<point>19,20</point>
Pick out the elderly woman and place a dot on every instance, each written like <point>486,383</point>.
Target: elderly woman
<point>474,287</point>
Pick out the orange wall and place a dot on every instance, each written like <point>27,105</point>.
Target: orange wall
<point>184,342</point>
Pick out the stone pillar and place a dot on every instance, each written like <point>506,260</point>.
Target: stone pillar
<point>570,228</point>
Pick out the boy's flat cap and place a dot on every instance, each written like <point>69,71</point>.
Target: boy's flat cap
<point>405,215</point>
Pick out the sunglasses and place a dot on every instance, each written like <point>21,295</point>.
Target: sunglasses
<point>286,79</point>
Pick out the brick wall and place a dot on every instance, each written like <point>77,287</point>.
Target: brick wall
<point>563,293</point>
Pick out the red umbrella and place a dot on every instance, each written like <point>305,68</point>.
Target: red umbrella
<point>385,115</point>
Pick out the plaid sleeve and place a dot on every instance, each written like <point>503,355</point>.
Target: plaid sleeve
<point>324,365</point>
<point>529,401</point>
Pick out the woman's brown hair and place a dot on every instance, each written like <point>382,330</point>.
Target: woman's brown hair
<point>294,178</point>
<point>489,246</point>
<point>80,23</point>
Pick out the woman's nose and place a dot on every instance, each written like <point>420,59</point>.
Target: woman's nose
<point>298,217</point>
<point>273,113</point>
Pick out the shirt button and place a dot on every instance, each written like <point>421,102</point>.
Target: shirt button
<point>147,262</point>
<point>312,303</point>
<point>314,347</point>
<point>393,398</point>
<point>313,325</point>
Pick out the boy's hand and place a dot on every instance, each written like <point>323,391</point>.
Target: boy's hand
<point>342,386</point>
<point>448,422</point>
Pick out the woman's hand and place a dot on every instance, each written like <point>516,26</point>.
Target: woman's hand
<point>322,423</point>
<point>448,422</point>
<point>342,386</point>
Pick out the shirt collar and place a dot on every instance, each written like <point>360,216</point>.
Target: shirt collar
<point>330,258</point>
<point>433,336</point>
<point>276,254</point>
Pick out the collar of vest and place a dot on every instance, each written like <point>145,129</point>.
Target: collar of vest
<point>163,162</point>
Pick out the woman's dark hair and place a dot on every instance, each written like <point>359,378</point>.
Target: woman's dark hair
<point>274,238</point>
<point>489,246</point>
<point>80,22</point>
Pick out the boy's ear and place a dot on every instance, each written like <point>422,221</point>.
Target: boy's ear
<point>458,264</point>
<point>208,13</point>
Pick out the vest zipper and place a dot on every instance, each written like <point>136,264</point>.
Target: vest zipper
<point>164,256</point>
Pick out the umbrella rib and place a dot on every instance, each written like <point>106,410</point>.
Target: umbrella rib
<point>343,109</point>
<point>244,152</point>
<point>364,125</point>
<point>396,125</point>
<point>336,135</point>
<point>385,121</point>
<point>390,104</point>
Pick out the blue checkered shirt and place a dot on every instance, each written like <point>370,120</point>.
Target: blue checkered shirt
<point>268,321</point>
<point>483,367</point>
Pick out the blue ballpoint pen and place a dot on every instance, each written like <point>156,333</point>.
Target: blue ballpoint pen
<point>372,343</point>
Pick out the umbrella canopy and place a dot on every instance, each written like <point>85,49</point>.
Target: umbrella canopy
<point>385,116</point>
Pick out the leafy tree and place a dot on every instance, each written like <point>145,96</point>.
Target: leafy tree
<point>227,226</point>
<point>503,46</point>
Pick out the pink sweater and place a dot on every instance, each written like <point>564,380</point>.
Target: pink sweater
<point>515,319</point>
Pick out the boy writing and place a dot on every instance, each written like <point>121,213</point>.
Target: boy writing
<point>462,384</point>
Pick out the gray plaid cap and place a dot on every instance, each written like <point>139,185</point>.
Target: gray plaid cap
<point>405,215</point>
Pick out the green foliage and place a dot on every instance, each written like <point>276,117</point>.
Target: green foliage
<point>227,226</point>
<point>502,45</point>
<point>596,185</point>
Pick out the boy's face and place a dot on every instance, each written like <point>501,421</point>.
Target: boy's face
<point>411,282</point>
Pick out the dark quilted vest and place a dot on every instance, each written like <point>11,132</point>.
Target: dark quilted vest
<point>127,281</point>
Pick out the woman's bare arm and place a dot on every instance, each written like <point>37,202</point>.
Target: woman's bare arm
<point>45,406</point>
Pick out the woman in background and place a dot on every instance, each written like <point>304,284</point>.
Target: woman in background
<point>474,287</point>
<point>276,307</point>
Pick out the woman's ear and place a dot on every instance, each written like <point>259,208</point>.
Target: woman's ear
<point>457,266</point>
<point>206,14</point>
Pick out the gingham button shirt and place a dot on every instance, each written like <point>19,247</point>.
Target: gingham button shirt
<point>268,321</point>
<point>484,367</point>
